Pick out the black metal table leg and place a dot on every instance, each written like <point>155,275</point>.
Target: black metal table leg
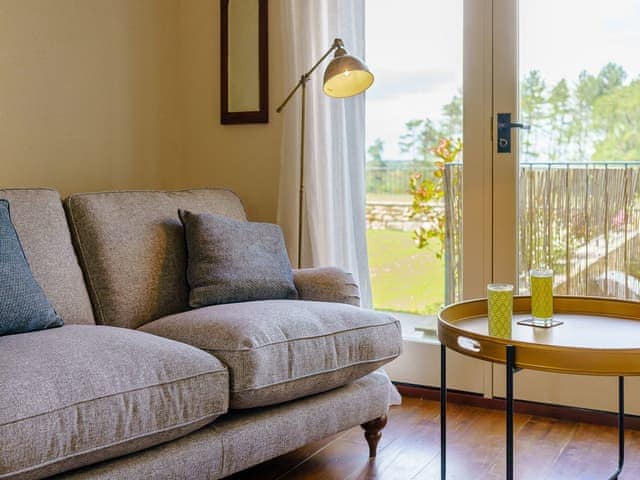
<point>511,364</point>
<point>443,412</point>
<point>620,429</point>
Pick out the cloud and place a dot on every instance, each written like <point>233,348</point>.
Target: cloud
<point>391,83</point>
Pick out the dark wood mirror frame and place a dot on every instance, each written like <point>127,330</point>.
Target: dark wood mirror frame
<point>262,114</point>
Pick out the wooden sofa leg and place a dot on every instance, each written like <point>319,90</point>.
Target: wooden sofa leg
<point>372,432</point>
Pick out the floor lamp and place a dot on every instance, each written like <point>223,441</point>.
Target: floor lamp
<point>345,76</point>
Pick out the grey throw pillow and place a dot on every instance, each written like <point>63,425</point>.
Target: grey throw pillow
<point>24,307</point>
<point>235,261</point>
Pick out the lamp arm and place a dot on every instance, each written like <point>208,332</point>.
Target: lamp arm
<point>337,43</point>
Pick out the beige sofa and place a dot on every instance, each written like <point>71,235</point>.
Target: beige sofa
<point>156,390</point>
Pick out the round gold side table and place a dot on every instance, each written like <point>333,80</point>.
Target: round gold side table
<point>599,336</point>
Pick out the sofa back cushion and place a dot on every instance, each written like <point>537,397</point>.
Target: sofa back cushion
<point>23,305</point>
<point>235,261</point>
<point>132,248</point>
<point>40,222</point>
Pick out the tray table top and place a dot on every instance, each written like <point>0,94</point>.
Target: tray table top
<point>599,336</point>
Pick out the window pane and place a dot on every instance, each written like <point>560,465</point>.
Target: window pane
<point>414,48</point>
<point>579,169</point>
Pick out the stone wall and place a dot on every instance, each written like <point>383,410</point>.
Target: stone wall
<point>392,216</point>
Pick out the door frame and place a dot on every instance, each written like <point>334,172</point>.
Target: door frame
<point>477,204</point>
<point>490,179</point>
<point>505,166</point>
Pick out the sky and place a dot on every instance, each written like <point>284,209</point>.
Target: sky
<point>414,49</point>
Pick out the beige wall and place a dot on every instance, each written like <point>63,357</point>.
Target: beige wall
<point>118,94</point>
<point>87,93</point>
<point>245,158</point>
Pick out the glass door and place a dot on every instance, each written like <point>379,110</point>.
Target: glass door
<point>414,106</point>
<point>418,117</point>
<point>569,71</point>
<point>566,161</point>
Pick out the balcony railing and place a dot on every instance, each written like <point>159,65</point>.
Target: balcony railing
<point>580,219</point>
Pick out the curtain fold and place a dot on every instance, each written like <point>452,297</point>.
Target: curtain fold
<point>334,209</point>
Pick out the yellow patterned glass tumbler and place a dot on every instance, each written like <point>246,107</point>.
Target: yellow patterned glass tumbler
<point>542,297</point>
<point>500,309</point>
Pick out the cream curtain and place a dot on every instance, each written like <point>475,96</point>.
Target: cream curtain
<point>334,208</point>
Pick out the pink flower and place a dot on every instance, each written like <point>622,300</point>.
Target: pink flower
<point>619,219</point>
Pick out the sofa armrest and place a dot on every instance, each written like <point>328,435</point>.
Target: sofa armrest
<point>326,284</point>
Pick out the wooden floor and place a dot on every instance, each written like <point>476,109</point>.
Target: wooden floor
<point>545,449</point>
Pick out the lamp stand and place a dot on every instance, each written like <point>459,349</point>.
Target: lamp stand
<point>303,83</point>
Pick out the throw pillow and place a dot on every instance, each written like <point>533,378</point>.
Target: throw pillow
<point>24,307</point>
<point>235,261</point>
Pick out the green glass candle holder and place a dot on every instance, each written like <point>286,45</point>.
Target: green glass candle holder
<point>500,309</point>
<point>542,296</point>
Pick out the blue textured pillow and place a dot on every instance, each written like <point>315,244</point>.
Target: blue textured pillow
<point>24,307</point>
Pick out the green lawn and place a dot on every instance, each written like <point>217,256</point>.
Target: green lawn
<point>404,279</point>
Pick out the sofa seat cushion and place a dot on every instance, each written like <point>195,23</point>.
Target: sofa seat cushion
<point>80,394</point>
<point>279,350</point>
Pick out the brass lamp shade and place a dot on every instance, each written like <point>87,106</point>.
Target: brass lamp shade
<point>346,76</point>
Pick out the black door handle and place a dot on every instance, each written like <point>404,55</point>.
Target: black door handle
<point>504,131</point>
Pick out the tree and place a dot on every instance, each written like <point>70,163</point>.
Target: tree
<point>616,115</point>
<point>409,140</point>
<point>451,126</point>
<point>610,77</point>
<point>376,177</point>
<point>560,117</point>
<point>419,136</point>
<point>591,118</point>
<point>532,101</point>
<point>375,153</point>
<point>588,90</point>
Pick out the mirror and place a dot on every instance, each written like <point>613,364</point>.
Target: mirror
<point>244,59</point>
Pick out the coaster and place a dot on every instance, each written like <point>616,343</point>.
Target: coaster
<point>530,322</point>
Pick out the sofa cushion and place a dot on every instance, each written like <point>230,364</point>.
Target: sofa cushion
<point>235,261</point>
<point>80,394</point>
<point>23,305</point>
<point>278,350</point>
<point>39,219</point>
<point>132,248</point>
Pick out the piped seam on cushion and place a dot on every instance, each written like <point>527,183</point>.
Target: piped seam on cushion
<point>323,298</point>
<point>292,340</point>
<point>314,374</point>
<point>24,189</point>
<point>166,192</point>
<point>162,384</point>
<point>86,269</point>
<point>211,416</point>
<point>348,284</point>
